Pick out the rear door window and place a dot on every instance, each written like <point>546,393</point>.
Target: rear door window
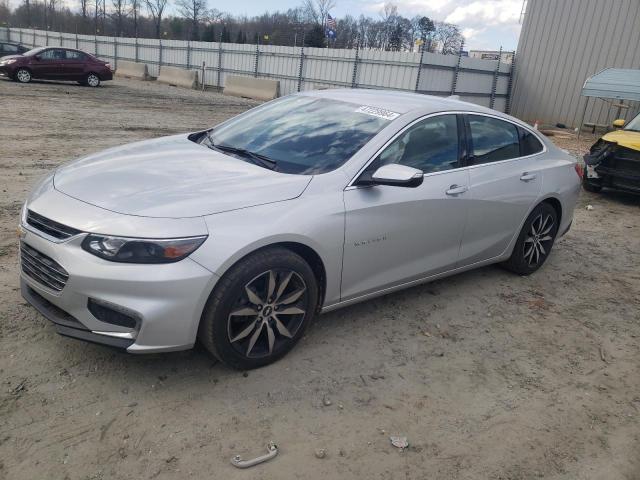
<point>492,139</point>
<point>73,55</point>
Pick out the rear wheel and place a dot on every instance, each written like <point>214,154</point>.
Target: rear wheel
<point>23,75</point>
<point>92,80</point>
<point>535,240</point>
<point>259,309</point>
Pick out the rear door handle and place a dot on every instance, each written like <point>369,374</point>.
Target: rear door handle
<point>456,190</point>
<point>527,177</point>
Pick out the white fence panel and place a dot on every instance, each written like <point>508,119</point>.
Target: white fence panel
<point>479,81</point>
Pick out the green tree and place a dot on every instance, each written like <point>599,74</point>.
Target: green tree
<point>314,37</point>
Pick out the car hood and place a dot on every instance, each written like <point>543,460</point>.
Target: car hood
<point>7,57</point>
<point>624,138</point>
<point>173,177</point>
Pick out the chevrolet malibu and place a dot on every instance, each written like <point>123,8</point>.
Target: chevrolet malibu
<point>241,234</point>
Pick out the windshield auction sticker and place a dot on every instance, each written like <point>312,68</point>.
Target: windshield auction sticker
<point>378,112</point>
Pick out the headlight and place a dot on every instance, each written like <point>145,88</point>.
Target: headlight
<point>141,250</point>
<point>8,62</point>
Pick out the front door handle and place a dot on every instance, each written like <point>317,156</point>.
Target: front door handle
<point>456,189</point>
<point>527,177</point>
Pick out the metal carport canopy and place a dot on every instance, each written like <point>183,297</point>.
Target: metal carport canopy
<point>619,83</point>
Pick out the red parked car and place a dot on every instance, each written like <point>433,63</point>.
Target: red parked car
<point>54,63</point>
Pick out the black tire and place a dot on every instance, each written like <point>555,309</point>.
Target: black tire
<point>92,80</point>
<point>590,186</point>
<point>23,75</point>
<point>224,318</point>
<point>534,235</point>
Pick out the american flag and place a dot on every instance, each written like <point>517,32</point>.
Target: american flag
<point>331,22</point>
<point>330,30</point>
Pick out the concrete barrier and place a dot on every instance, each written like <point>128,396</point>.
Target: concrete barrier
<point>248,87</point>
<point>178,77</point>
<point>132,70</point>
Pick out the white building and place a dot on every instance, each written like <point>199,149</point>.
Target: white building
<point>507,57</point>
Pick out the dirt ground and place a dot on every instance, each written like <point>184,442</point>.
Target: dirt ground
<point>488,375</point>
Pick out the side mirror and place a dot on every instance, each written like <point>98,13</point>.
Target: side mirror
<point>396,175</point>
<point>619,123</point>
<point>37,57</point>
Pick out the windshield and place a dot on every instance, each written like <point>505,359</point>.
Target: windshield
<point>634,125</point>
<point>33,51</point>
<point>302,135</point>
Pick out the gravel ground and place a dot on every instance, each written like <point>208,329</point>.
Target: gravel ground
<point>488,375</point>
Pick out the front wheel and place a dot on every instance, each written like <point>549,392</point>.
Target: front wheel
<point>535,240</point>
<point>259,309</point>
<point>23,75</point>
<point>92,80</point>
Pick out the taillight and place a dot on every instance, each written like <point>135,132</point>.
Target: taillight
<point>579,168</point>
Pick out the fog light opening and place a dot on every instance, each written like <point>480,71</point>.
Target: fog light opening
<point>114,314</point>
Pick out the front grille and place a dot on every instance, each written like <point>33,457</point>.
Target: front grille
<point>48,226</point>
<point>42,269</point>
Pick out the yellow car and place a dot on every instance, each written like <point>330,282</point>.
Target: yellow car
<point>614,160</point>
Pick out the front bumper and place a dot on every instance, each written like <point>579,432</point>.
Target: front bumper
<point>166,300</point>
<point>6,71</point>
<point>613,166</point>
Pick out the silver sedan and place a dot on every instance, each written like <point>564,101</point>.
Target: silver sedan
<point>239,235</point>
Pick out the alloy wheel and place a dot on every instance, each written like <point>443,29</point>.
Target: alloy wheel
<point>93,80</point>
<point>268,314</point>
<point>536,244</point>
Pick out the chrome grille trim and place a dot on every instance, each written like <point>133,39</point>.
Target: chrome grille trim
<point>50,227</point>
<point>42,269</point>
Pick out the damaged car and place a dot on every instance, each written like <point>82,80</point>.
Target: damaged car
<point>614,160</point>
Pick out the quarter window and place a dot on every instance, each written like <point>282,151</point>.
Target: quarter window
<point>430,145</point>
<point>492,139</point>
<point>529,144</point>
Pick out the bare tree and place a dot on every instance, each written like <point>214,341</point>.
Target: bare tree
<point>134,11</point>
<point>119,14</point>
<point>156,10</point>
<point>448,38</point>
<point>84,8</point>
<point>27,8</point>
<point>51,7</point>
<point>389,16</point>
<point>317,10</point>
<point>96,13</point>
<point>195,11</point>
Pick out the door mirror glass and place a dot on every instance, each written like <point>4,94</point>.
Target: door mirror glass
<point>619,123</point>
<point>397,175</point>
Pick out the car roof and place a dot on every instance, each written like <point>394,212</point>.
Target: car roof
<point>399,102</point>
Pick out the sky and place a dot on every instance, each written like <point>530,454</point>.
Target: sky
<point>485,24</point>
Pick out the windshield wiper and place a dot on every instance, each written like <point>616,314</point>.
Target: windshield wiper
<point>257,158</point>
